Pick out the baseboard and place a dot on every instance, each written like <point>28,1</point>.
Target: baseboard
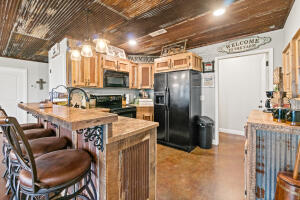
<point>233,132</point>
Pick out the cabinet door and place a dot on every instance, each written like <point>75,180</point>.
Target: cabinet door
<point>109,63</point>
<point>123,65</point>
<point>145,77</point>
<point>78,73</point>
<point>91,72</point>
<point>287,71</point>
<point>133,76</point>
<point>181,61</point>
<point>162,64</point>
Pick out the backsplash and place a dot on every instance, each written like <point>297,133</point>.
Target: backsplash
<point>133,93</point>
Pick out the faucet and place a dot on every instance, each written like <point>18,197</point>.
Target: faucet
<point>72,89</point>
<point>69,91</point>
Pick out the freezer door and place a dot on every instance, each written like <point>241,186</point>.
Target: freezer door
<point>160,82</point>
<point>161,116</point>
<point>179,100</point>
<point>160,105</point>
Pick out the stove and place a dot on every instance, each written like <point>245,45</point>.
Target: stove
<point>114,103</point>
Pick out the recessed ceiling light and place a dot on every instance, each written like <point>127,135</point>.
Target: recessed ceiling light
<point>271,27</point>
<point>132,42</point>
<point>219,12</point>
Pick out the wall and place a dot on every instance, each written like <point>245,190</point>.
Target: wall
<point>292,23</point>
<point>209,53</point>
<point>35,71</point>
<point>58,66</point>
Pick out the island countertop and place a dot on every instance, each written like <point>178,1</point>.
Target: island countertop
<point>69,117</point>
<point>265,120</point>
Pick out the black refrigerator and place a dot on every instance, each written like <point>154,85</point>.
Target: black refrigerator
<point>177,107</point>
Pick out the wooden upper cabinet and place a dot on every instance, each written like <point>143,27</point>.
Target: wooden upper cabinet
<point>288,71</point>
<point>91,74</point>
<point>145,76</point>
<point>181,61</point>
<point>85,72</point>
<point>296,44</point>
<point>133,75</point>
<point>109,62</point>
<point>162,64</point>
<point>123,65</point>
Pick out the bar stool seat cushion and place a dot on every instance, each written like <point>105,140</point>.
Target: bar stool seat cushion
<point>31,126</point>
<point>57,168</point>
<point>38,133</point>
<point>288,177</point>
<point>35,134</point>
<point>44,145</point>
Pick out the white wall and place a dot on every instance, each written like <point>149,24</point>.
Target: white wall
<point>35,71</point>
<point>292,23</point>
<point>58,66</point>
<point>209,53</point>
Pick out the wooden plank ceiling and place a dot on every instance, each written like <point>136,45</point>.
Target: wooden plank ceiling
<point>29,28</point>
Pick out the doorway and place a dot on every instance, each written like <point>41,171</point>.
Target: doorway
<point>13,89</point>
<point>241,82</point>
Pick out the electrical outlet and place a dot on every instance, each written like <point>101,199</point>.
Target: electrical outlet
<point>201,98</point>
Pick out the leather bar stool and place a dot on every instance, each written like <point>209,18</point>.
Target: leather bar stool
<point>288,184</point>
<point>48,175</point>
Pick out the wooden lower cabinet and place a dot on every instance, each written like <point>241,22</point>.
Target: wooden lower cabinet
<point>145,113</point>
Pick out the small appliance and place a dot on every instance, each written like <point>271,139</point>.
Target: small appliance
<point>268,106</point>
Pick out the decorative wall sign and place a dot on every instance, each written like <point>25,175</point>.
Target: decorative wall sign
<point>55,50</point>
<point>208,66</point>
<point>208,80</point>
<point>245,44</point>
<point>115,51</point>
<point>142,58</point>
<point>175,48</point>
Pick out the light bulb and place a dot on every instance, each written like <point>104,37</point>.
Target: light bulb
<point>75,55</point>
<point>101,45</point>
<point>132,42</point>
<point>86,50</point>
<point>219,12</point>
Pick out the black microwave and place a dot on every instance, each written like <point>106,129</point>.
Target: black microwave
<point>115,79</point>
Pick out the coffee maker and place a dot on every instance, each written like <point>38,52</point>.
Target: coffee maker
<point>268,106</point>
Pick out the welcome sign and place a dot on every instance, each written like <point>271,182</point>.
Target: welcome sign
<point>246,44</point>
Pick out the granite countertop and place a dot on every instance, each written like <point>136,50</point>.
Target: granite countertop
<point>69,117</point>
<point>257,117</point>
<point>126,127</point>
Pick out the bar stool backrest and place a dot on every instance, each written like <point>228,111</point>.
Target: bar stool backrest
<point>15,137</point>
<point>2,112</point>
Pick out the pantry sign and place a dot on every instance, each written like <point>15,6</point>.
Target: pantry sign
<point>245,44</point>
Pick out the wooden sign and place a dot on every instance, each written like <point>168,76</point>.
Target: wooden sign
<point>246,44</point>
<point>115,51</point>
<point>175,48</point>
<point>141,58</point>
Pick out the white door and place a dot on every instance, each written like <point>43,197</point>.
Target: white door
<point>242,86</point>
<point>13,89</point>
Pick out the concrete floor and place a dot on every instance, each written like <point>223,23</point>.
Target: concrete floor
<point>214,174</point>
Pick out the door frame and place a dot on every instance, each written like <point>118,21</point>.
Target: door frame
<point>269,58</point>
<point>23,72</point>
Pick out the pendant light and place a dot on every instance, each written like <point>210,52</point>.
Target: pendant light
<point>86,48</point>
<point>101,43</point>
<point>75,55</point>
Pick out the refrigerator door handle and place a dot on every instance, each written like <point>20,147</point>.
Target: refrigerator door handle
<point>167,98</point>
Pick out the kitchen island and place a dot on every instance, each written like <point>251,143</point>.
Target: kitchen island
<point>123,149</point>
<point>270,147</point>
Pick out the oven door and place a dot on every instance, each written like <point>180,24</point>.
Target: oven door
<point>126,112</point>
<point>115,79</point>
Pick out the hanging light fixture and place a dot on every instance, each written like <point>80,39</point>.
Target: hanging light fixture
<point>101,45</point>
<point>75,55</point>
<point>86,47</point>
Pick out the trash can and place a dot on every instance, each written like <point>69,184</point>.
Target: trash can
<point>205,132</point>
